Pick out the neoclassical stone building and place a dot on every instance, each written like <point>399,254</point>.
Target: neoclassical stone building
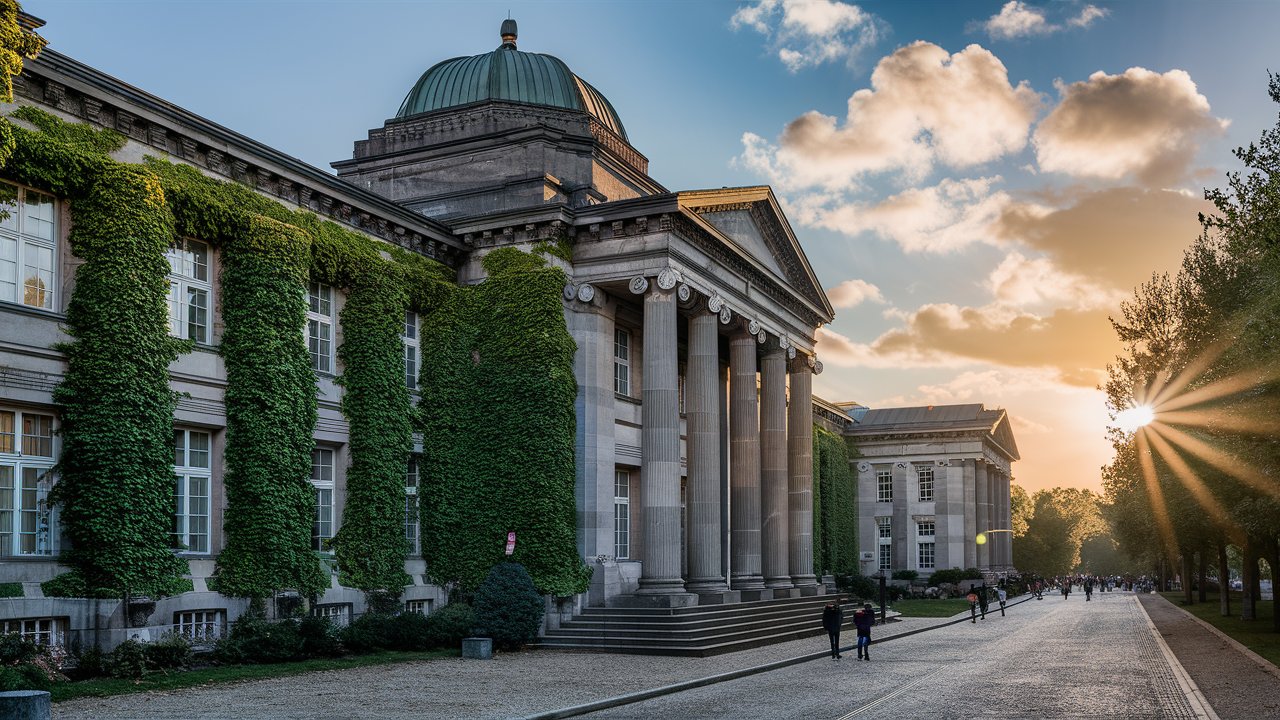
<point>930,480</point>
<point>694,314</point>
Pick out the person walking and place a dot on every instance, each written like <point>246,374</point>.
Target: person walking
<point>1088,588</point>
<point>863,620</point>
<point>1002,595</point>
<point>983,600</point>
<point>972,597</point>
<point>832,619</point>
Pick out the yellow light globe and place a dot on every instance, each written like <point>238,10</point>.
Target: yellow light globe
<point>981,539</point>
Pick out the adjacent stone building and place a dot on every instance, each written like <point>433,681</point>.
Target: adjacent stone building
<point>694,313</point>
<point>930,481</point>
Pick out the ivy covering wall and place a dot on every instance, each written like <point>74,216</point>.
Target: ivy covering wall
<point>835,506</point>
<point>498,417</point>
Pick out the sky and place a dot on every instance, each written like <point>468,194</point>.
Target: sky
<point>978,185</point>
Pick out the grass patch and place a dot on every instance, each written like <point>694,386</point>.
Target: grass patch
<point>178,680</point>
<point>1256,635</point>
<point>933,608</point>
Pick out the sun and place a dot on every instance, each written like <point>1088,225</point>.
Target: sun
<point>1135,417</point>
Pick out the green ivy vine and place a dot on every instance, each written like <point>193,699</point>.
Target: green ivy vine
<point>498,418</point>
<point>835,506</point>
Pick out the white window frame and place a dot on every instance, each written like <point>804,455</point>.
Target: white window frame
<point>337,613</point>
<point>622,361</point>
<point>28,522</point>
<point>322,469</point>
<point>422,607</point>
<point>621,514</point>
<point>186,283</point>
<point>319,330</point>
<point>29,249</point>
<point>884,542</point>
<point>925,481</point>
<point>884,486</point>
<point>201,627</point>
<point>409,337</point>
<point>47,631</point>
<point>192,498</point>
<point>412,477</point>
<point>926,531</point>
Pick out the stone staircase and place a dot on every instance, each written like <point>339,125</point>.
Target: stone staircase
<point>697,631</point>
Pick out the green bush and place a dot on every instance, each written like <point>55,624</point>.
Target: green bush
<point>254,640</point>
<point>319,637</point>
<point>128,661</point>
<point>171,652</point>
<point>905,575</point>
<point>11,590</point>
<point>91,662</point>
<point>25,665</point>
<point>16,649</point>
<point>413,632</point>
<point>371,632</point>
<point>451,623</point>
<point>24,676</point>
<point>507,606</point>
<point>859,586</point>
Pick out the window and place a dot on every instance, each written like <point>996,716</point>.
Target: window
<point>339,613</point>
<point>925,530</point>
<point>199,626</point>
<point>320,326</point>
<point>622,514</point>
<point>27,243</point>
<point>884,539</point>
<point>26,463</point>
<point>191,490</point>
<point>190,290</point>
<point>322,479</point>
<point>41,631</point>
<point>884,486</point>
<point>410,339</point>
<point>411,505</point>
<point>422,607</point>
<point>924,475</point>
<point>622,362</point>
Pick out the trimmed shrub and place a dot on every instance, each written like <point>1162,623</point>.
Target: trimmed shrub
<point>905,575</point>
<point>370,632</point>
<point>859,586</point>
<point>508,608</point>
<point>413,632</point>
<point>170,652</point>
<point>451,623</point>
<point>319,637</point>
<point>128,661</point>
<point>254,640</point>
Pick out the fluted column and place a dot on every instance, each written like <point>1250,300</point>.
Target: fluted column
<point>744,462</point>
<point>660,441</point>
<point>1006,545</point>
<point>774,517</point>
<point>983,489</point>
<point>702,417</point>
<point>800,476</point>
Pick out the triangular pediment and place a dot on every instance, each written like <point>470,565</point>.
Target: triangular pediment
<point>752,223</point>
<point>1002,434</point>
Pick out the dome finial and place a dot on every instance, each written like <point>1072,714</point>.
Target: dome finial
<point>508,33</point>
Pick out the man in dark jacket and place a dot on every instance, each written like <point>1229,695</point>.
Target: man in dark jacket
<point>983,600</point>
<point>863,620</point>
<point>832,619</point>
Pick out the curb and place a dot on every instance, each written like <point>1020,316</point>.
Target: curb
<point>1263,663</point>
<point>1199,704</point>
<point>635,697</point>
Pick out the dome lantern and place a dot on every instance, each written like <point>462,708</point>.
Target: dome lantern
<point>508,33</point>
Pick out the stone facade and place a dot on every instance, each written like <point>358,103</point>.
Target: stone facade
<point>930,481</point>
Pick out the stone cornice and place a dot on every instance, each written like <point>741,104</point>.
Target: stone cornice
<point>80,91</point>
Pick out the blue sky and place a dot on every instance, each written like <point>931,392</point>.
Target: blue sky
<point>1010,172</point>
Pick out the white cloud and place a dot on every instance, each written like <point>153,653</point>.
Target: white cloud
<point>924,106</point>
<point>1139,123</point>
<point>810,32</point>
<point>1019,281</point>
<point>943,218</point>
<point>1017,19</point>
<point>1087,16</point>
<point>852,293</point>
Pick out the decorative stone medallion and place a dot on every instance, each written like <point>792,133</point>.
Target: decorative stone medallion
<point>586,293</point>
<point>762,337</point>
<point>817,368</point>
<point>864,467</point>
<point>715,302</point>
<point>639,285</point>
<point>753,327</point>
<point>667,279</point>
<point>810,361</point>
<point>783,342</point>
<point>684,293</point>
<point>570,292</point>
<point>726,315</point>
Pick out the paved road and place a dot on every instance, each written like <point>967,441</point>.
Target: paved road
<point>1046,659</point>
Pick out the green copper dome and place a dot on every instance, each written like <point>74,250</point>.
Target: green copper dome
<point>511,75</point>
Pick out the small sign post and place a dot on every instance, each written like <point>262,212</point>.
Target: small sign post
<point>511,543</point>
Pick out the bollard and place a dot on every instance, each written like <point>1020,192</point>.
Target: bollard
<point>477,648</point>
<point>25,705</point>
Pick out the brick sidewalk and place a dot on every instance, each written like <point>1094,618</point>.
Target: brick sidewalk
<point>1236,682</point>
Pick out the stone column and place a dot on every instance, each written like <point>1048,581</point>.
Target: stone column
<point>744,462</point>
<point>660,441</point>
<point>702,418</point>
<point>774,518</point>
<point>969,504</point>
<point>983,494</point>
<point>1006,539</point>
<point>800,475</point>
